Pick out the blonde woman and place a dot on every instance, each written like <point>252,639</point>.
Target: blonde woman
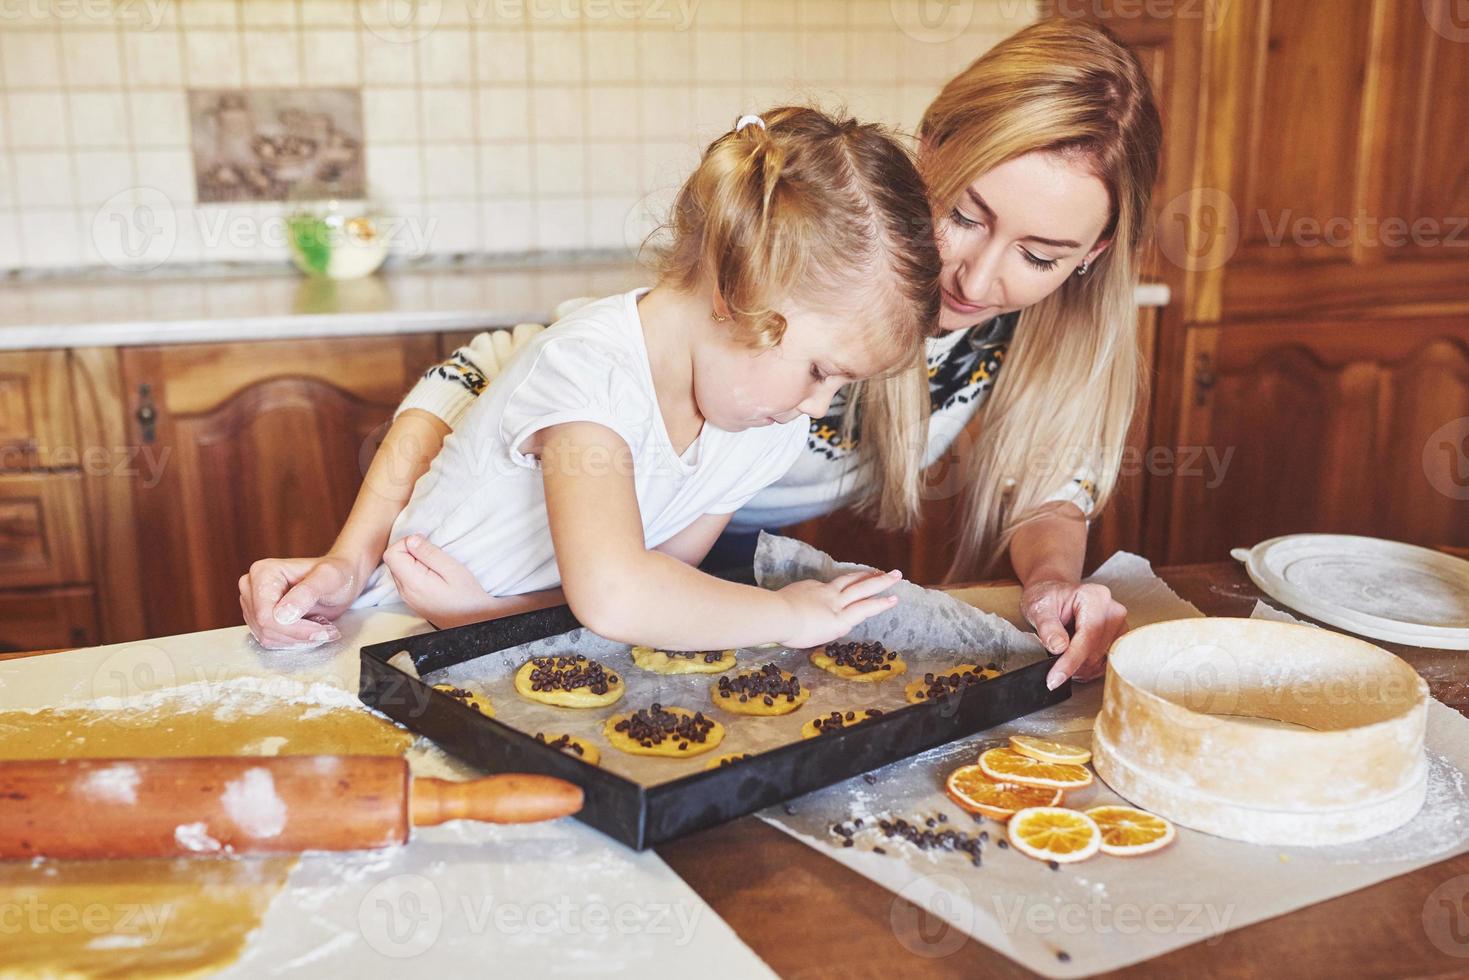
<point>1040,159</point>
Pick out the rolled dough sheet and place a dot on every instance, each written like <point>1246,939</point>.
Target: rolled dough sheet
<point>161,918</point>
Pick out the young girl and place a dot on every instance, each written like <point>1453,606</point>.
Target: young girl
<point>1040,159</point>
<point>611,452</point>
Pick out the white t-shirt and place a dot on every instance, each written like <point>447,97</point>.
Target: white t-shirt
<point>483,500</point>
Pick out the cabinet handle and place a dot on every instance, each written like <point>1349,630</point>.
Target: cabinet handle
<point>147,414</point>
<point>1204,379</point>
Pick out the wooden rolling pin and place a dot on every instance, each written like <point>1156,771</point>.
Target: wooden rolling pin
<point>128,808</point>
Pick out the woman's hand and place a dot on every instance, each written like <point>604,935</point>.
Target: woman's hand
<point>289,603</point>
<point>436,586</point>
<point>1096,618</point>
<point>827,611</point>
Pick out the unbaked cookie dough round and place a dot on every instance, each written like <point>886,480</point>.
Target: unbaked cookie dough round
<point>935,685</point>
<point>567,681</point>
<point>864,662</point>
<point>767,691</point>
<point>478,702</point>
<point>683,662</point>
<point>571,745</point>
<point>657,730</point>
<point>728,759</point>
<point>836,721</point>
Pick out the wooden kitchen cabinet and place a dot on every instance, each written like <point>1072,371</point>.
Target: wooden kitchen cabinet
<point>1344,427</point>
<point>37,427</point>
<point>48,619</point>
<point>248,451</point>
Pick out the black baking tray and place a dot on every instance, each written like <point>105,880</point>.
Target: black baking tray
<point>641,816</point>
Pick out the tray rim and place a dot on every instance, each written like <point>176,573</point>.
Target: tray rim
<point>851,744</point>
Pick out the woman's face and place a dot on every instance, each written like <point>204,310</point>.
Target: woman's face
<point>1015,234</point>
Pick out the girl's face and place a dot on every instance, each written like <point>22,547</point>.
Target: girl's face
<point>738,388</point>
<point>1015,234</point>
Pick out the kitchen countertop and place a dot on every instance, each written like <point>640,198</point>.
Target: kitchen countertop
<point>279,305</point>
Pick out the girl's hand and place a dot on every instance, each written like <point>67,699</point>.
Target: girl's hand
<point>1098,619</point>
<point>826,611</point>
<point>436,586</point>
<point>289,603</point>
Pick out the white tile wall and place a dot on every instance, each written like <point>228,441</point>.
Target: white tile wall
<point>491,125</point>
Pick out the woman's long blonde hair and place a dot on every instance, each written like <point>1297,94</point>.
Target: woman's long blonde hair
<point>1073,373</point>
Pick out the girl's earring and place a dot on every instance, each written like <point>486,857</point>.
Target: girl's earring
<point>717,317</point>
<point>1085,264</point>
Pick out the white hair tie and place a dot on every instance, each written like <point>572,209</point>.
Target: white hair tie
<point>749,120</point>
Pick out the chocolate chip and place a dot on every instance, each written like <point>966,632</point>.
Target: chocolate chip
<point>864,658</point>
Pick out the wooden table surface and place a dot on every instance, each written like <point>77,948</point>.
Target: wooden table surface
<point>809,917</point>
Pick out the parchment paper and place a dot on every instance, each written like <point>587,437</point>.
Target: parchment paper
<point>460,900</point>
<point>932,630</point>
<point>1107,912</point>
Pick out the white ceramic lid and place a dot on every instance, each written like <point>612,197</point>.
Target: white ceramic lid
<point>1381,589</point>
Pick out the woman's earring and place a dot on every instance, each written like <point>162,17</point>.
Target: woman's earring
<point>717,317</point>
<point>1085,264</point>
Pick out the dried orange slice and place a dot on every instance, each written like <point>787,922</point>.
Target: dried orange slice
<point>969,787</point>
<point>1053,833</point>
<point>1005,765</point>
<point>1045,750</point>
<point>1127,830</point>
